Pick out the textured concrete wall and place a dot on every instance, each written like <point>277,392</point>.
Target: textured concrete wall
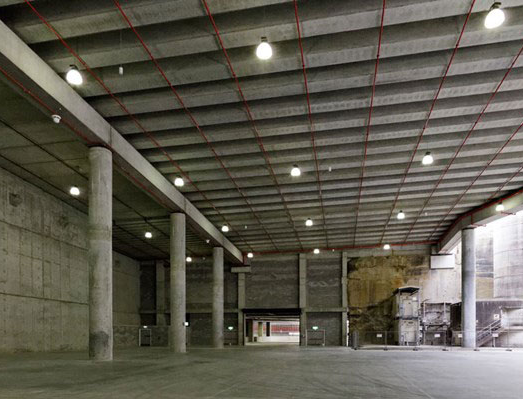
<point>199,285</point>
<point>44,276</point>
<point>273,282</point>
<point>126,291</point>
<point>330,322</point>
<point>324,281</point>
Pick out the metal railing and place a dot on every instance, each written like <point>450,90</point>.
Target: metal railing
<point>493,335</point>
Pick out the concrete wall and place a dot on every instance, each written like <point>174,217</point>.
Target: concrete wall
<point>44,275</point>
<point>508,257</point>
<point>273,283</point>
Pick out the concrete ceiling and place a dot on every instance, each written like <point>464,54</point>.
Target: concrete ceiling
<point>364,164</point>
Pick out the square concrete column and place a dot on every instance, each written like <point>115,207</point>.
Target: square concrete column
<point>177,337</point>
<point>217,297</point>
<point>100,254</point>
<point>468,287</point>
<point>160,293</point>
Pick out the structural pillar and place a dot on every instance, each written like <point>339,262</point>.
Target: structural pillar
<point>160,293</point>
<point>217,297</point>
<point>468,287</point>
<point>344,299</point>
<point>100,254</point>
<point>303,298</point>
<point>241,306</point>
<point>177,338</point>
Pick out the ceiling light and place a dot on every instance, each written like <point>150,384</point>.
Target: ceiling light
<point>75,191</point>
<point>309,222</point>
<point>500,207</point>
<point>148,234</point>
<point>207,241</point>
<point>188,259</point>
<point>428,159</point>
<point>264,49</point>
<point>386,247</point>
<point>316,251</point>
<point>225,228</point>
<point>56,118</point>
<point>401,215</point>
<point>495,16</point>
<point>250,255</point>
<point>120,70</point>
<point>73,76</point>
<point>178,182</point>
<point>295,171</point>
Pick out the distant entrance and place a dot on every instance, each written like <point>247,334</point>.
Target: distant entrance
<point>272,326</point>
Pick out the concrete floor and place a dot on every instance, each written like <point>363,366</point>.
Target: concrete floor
<point>265,372</point>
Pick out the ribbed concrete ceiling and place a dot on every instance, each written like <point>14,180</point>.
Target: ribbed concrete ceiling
<point>364,164</point>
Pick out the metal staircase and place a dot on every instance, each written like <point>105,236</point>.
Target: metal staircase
<point>485,334</point>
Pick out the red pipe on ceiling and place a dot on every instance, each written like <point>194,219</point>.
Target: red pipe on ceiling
<point>369,246</point>
<point>425,125</point>
<point>250,117</point>
<point>133,118</point>
<point>367,132</point>
<point>518,171</point>
<point>191,117</point>
<point>465,139</point>
<point>309,111</point>
<point>477,177</point>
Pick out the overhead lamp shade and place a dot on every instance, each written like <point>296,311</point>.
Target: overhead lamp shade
<point>495,17</point>
<point>295,171</point>
<point>178,182</point>
<point>264,49</point>
<point>428,159</point>
<point>73,76</point>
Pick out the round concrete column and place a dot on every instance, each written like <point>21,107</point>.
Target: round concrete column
<point>468,287</point>
<point>217,297</point>
<point>100,254</point>
<point>177,337</point>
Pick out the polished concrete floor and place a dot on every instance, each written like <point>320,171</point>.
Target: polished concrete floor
<point>265,372</point>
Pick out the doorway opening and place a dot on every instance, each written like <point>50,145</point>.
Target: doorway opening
<point>272,327</point>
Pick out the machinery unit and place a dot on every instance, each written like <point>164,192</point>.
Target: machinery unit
<point>406,313</point>
<point>435,323</point>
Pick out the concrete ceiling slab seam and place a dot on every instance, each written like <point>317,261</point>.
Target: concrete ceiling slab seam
<point>48,80</point>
